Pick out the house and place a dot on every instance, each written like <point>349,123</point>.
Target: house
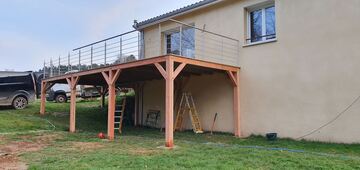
<point>299,63</point>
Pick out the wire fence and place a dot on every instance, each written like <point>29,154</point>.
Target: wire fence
<point>185,40</point>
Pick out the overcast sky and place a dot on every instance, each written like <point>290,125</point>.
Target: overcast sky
<point>34,30</point>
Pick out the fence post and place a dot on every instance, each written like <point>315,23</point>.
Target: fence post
<point>138,57</point>
<point>105,54</point>
<point>51,67</point>
<point>91,58</point>
<point>69,66</point>
<point>44,76</point>
<point>120,57</point>
<point>79,60</point>
<point>59,66</point>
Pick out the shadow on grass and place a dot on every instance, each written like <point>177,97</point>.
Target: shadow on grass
<point>6,108</point>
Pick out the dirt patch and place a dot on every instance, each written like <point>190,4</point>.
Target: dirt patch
<point>60,114</point>
<point>21,147</point>
<point>8,162</point>
<point>2,140</point>
<point>85,146</point>
<point>9,153</point>
<point>48,138</point>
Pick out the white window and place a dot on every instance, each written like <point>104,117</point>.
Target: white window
<point>181,41</point>
<point>261,23</point>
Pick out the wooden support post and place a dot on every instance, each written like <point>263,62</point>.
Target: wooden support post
<point>169,75</point>
<point>45,86</point>
<point>111,78</point>
<point>72,82</point>
<point>169,104</point>
<point>102,92</point>
<point>234,77</point>
<point>43,97</point>
<point>111,112</point>
<point>136,112</point>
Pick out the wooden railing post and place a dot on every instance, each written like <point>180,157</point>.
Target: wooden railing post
<point>111,78</point>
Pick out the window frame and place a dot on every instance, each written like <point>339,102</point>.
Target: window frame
<point>261,6</point>
<point>178,29</point>
<point>169,32</point>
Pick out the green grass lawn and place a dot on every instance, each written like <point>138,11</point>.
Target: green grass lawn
<point>140,148</point>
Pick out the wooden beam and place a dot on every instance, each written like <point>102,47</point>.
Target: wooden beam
<point>236,104</point>
<point>76,80</point>
<point>169,103</point>
<point>161,69</point>
<point>232,77</point>
<point>136,108</point>
<point>72,82</point>
<point>102,93</point>
<point>111,112</point>
<point>202,63</point>
<point>115,76</point>
<point>178,70</point>
<point>48,86</point>
<point>106,77</point>
<point>111,77</point>
<point>45,86</point>
<point>43,97</point>
<point>148,61</point>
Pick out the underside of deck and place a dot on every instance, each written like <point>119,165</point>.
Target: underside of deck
<point>167,67</point>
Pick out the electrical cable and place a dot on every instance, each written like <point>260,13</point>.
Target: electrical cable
<point>332,120</point>
<point>32,131</point>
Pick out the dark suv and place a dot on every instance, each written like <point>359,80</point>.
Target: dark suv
<point>17,89</point>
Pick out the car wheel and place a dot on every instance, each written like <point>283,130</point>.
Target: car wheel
<point>60,98</point>
<point>20,102</point>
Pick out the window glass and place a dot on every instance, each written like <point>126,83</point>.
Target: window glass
<point>173,43</point>
<point>270,22</point>
<point>256,25</point>
<point>188,42</point>
<point>261,24</point>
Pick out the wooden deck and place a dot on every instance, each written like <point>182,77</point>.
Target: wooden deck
<point>167,67</point>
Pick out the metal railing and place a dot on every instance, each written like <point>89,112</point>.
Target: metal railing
<point>114,50</point>
<point>189,41</point>
<point>207,45</point>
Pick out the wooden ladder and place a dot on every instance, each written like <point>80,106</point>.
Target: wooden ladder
<point>187,104</point>
<point>119,115</point>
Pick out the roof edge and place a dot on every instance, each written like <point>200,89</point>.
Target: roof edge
<point>175,13</point>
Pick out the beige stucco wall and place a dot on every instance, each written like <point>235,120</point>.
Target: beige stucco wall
<point>291,86</point>
<point>212,94</point>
